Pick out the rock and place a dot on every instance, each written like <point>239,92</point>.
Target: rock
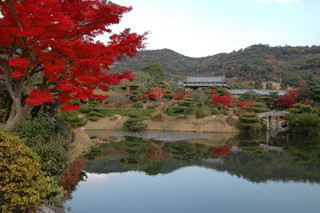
<point>82,128</point>
<point>104,142</point>
<point>49,209</point>
<point>115,117</point>
<point>115,139</point>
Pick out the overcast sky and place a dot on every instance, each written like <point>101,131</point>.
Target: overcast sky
<point>199,28</point>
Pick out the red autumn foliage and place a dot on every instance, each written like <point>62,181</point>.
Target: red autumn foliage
<point>245,104</point>
<point>220,151</point>
<point>156,93</point>
<point>225,100</point>
<point>37,97</point>
<point>289,100</point>
<point>70,179</point>
<point>180,96</point>
<point>56,40</point>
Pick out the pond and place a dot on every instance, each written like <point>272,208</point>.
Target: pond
<point>237,174</point>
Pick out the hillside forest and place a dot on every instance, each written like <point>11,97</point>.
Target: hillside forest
<point>289,66</point>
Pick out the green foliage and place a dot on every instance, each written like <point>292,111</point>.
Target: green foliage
<point>250,122</point>
<point>200,96</point>
<point>151,107</point>
<point>215,111</point>
<point>54,194</point>
<point>186,106</point>
<point>204,110</point>
<point>158,116</point>
<point>125,112</point>
<point>44,135</point>
<point>253,63</point>
<point>156,71</point>
<point>258,108</point>
<point>71,117</point>
<point>85,108</point>
<point>225,112</point>
<point>303,108</point>
<point>22,183</point>
<point>304,122</point>
<point>138,105</point>
<point>134,123</point>
<point>269,86</point>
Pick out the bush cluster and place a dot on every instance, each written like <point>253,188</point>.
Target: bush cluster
<point>158,116</point>
<point>22,183</point>
<point>250,122</point>
<point>47,137</point>
<point>71,117</point>
<point>134,123</point>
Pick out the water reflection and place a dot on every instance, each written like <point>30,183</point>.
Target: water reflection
<point>202,176</point>
<point>281,159</point>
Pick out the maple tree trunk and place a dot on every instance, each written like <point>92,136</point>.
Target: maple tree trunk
<point>16,113</point>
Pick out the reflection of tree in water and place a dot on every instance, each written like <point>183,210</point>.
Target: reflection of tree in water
<point>299,160</point>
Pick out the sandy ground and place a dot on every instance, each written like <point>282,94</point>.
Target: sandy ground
<point>174,123</point>
<point>212,124</point>
<point>82,142</point>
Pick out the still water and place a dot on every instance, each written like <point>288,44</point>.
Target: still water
<point>238,174</point>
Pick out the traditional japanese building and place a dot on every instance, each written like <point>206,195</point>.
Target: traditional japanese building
<point>262,92</point>
<point>192,83</point>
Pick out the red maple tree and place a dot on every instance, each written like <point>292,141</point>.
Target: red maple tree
<point>290,99</point>
<point>225,100</point>
<point>180,96</point>
<point>245,104</point>
<point>48,48</point>
<point>156,93</point>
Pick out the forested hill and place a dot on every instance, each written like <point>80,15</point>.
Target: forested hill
<point>257,62</point>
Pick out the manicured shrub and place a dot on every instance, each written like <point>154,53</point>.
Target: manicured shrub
<point>71,117</point>
<point>205,110</point>
<point>215,111</point>
<point>22,183</point>
<point>305,123</point>
<point>93,118</point>
<point>134,123</point>
<point>258,108</point>
<point>250,122</point>
<point>183,107</point>
<point>158,116</point>
<point>85,108</point>
<point>138,104</point>
<point>150,107</point>
<point>224,112</point>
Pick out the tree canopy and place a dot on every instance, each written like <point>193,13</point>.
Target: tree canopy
<point>155,70</point>
<point>48,50</point>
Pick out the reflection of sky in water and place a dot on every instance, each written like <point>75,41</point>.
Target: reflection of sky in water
<point>191,189</point>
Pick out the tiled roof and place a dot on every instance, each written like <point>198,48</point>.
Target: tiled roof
<point>256,91</point>
<point>216,79</point>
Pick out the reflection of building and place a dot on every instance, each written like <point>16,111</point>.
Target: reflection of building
<point>192,83</point>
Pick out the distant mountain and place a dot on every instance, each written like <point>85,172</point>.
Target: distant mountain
<point>288,65</point>
<point>173,63</point>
